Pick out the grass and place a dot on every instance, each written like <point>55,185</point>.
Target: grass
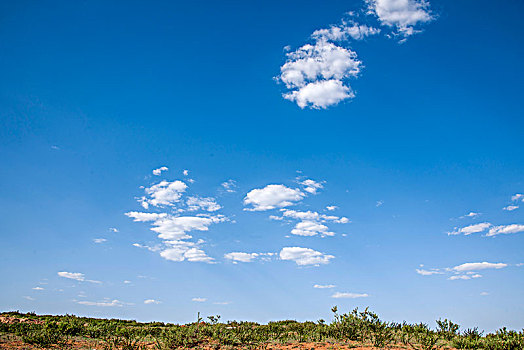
<point>355,328</point>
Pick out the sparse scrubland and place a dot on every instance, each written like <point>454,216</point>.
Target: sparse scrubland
<point>355,329</point>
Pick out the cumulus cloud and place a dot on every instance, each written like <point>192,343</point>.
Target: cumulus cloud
<point>311,228</point>
<point>181,250</point>
<point>317,74</point>
<point>517,197</point>
<point>339,295</point>
<point>160,170</point>
<point>463,277</point>
<point>304,256</point>
<point>113,229</point>
<point>324,286</point>
<point>510,207</point>
<point>403,15</point>
<point>505,229</point>
<point>164,193</point>
<point>152,301</point>
<point>331,207</point>
<point>271,197</point>
<point>467,230</point>
<point>470,215</point>
<point>144,217</point>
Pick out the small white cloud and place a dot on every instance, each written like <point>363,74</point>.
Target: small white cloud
<point>152,301</point>
<point>38,288</point>
<point>160,170</point>
<point>518,196</point>
<point>185,172</point>
<point>470,215</point>
<point>484,293</point>
<point>428,272</point>
<point>331,207</point>
<point>229,186</point>
<point>127,282</point>
<point>29,298</point>
<point>467,230</point>
<point>222,303</point>
<point>199,300</point>
<point>311,228</point>
<point>99,240</point>
<point>459,277</point>
<point>311,186</point>
<point>77,276</point>
<point>202,203</point>
<point>324,286</point>
<point>505,229</point>
<point>145,217</point>
<point>379,203</point>
<point>155,248</point>
<point>510,207</point>
<point>339,295</point>
<point>478,266</point>
<point>404,15</point>
<point>271,197</point>
<point>241,256</point>
<point>304,256</point>
<point>164,193</point>
<point>105,303</point>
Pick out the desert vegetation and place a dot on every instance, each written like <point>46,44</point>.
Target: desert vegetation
<point>354,329</point>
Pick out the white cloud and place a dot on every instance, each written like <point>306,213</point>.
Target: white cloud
<point>428,272</point>
<point>331,207</point>
<point>241,257</point>
<point>484,293</point>
<point>317,74</point>
<point>324,286</point>
<point>467,230</point>
<point>155,248</point>
<point>222,302</point>
<point>478,266</point>
<point>404,15</point>
<point>29,298</point>
<point>77,276</point>
<point>38,288</point>
<point>510,207</point>
<point>202,203</point>
<point>105,303</point>
<point>99,240</point>
<point>152,301</point>
<point>339,295</point>
<point>199,300</point>
<point>177,227</point>
<point>72,275</point>
<point>164,193</point>
<point>160,170</point>
<point>181,251</point>
<point>517,196</point>
<point>144,217</point>
<point>311,228</point>
<point>304,256</point>
<point>470,215</point>
<point>311,186</point>
<point>345,31</point>
<point>185,172</point>
<point>229,186</point>
<point>505,229</point>
<point>113,229</point>
<point>127,282</point>
<point>379,203</point>
<point>271,197</point>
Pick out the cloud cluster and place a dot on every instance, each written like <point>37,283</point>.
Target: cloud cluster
<point>174,227</point>
<point>317,74</point>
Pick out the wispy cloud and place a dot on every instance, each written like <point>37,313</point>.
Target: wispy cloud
<point>99,240</point>
<point>340,295</point>
<point>505,229</point>
<point>77,276</point>
<point>199,300</point>
<point>467,230</point>
<point>104,303</point>
<point>152,301</point>
<point>510,207</point>
<point>324,286</point>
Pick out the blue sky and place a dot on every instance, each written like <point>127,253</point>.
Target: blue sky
<point>371,149</point>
